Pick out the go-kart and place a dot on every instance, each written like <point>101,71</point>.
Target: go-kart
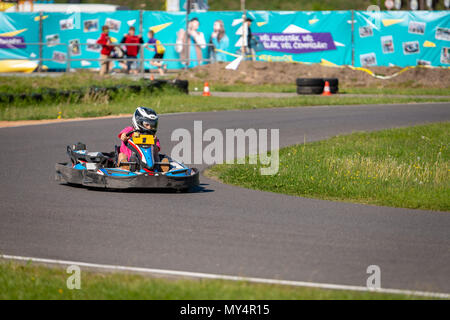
<point>145,169</point>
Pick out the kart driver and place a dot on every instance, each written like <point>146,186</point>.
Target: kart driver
<point>145,120</point>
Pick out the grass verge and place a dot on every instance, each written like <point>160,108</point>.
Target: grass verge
<point>177,102</point>
<point>71,81</point>
<point>80,80</point>
<point>28,281</point>
<point>406,167</point>
<point>291,88</point>
<point>168,100</point>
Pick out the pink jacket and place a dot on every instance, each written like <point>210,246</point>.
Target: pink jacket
<point>123,147</point>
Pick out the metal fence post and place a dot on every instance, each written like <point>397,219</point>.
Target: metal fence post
<point>353,38</point>
<point>41,37</point>
<point>141,50</point>
<point>186,47</point>
<point>141,47</point>
<point>141,22</point>
<point>244,30</point>
<point>68,59</point>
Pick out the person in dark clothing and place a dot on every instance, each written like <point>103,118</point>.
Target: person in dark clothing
<point>250,49</point>
<point>155,45</point>
<point>131,51</point>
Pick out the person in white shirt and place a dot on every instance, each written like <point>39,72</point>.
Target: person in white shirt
<point>196,43</point>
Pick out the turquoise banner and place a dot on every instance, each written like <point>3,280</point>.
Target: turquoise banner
<point>402,38</point>
<point>336,23</point>
<point>399,38</point>
<point>79,29</point>
<point>224,31</point>
<point>18,26</point>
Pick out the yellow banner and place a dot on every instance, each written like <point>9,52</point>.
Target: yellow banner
<point>5,6</point>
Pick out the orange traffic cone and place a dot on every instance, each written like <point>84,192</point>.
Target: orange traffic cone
<point>206,91</point>
<point>326,89</point>
<point>152,77</point>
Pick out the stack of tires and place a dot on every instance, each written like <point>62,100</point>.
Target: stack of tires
<point>316,85</point>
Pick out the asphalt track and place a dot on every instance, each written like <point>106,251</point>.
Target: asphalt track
<point>221,229</point>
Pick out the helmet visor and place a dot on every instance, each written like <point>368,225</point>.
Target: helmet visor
<point>146,124</point>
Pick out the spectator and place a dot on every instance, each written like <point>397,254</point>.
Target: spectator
<point>131,51</point>
<point>250,40</point>
<point>219,40</point>
<point>105,42</point>
<point>155,45</point>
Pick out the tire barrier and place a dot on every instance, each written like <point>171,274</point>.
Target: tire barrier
<point>151,86</point>
<point>316,85</point>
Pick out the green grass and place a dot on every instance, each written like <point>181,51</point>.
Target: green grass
<point>397,91</point>
<point>406,167</point>
<point>242,87</point>
<point>177,102</point>
<point>71,81</point>
<point>169,100</point>
<point>290,88</point>
<point>29,281</point>
<point>80,80</point>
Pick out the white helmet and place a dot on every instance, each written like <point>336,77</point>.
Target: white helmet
<point>145,120</point>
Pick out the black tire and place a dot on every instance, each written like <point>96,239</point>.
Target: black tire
<point>23,96</point>
<point>37,97</point>
<point>310,82</point>
<point>334,89</point>
<point>50,93</point>
<point>315,90</point>
<point>134,88</point>
<point>97,90</point>
<point>149,87</point>
<point>64,94</point>
<point>77,94</point>
<point>334,82</point>
<point>6,97</point>
<point>112,89</point>
<point>309,90</point>
<point>158,83</point>
<point>182,85</point>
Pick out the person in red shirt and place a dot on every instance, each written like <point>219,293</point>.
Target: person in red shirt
<point>105,41</point>
<point>131,51</point>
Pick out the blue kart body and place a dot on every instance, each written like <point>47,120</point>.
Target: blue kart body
<point>145,169</point>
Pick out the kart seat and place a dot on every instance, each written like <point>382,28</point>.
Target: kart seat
<point>85,156</point>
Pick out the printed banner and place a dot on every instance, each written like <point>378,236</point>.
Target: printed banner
<point>385,38</point>
<point>296,42</point>
<point>15,29</point>
<point>334,23</point>
<point>12,43</point>
<point>402,38</point>
<point>82,30</point>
